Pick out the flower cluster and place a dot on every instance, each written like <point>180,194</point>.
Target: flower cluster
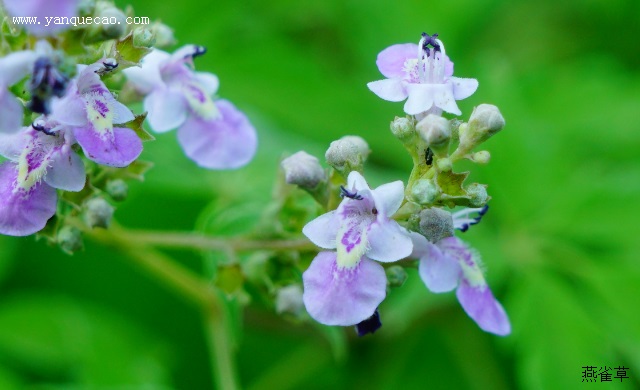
<point>67,126</point>
<point>408,226</point>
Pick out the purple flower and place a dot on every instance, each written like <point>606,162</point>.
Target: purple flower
<point>13,68</point>
<point>423,75</point>
<point>41,161</point>
<point>214,134</point>
<point>450,263</point>
<point>345,287</point>
<point>45,11</point>
<point>91,111</point>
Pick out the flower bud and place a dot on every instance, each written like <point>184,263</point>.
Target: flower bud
<point>481,157</point>
<point>486,120</point>
<point>113,30</point>
<point>98,213</point>
<point>143,37</point>
<point>444,164</point>
<point>396,276</point>
<point>436,224</point>
<point>347,154</point>
<point>289,300</point>
<point>478,196</point>
<point>70,239</point>
<point>303,169</point>
<point>117,189</point>
<point>424,192</point>
<point>436,132</point>
<point>403,129</point>
<point>163,35</point>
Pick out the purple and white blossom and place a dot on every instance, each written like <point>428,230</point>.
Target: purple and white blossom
<point>45,11</point>
<point>423,76</point>
<point>214,134</point>
<point>41,160</point>
<point>450,263</point>
<point>91,111</point>
<point>345,287</point>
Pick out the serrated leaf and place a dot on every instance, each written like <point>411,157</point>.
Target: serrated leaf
<point>136,125</point>
<point>127,54</point>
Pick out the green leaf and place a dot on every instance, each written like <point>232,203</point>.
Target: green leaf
<point>136,125</point>
<point>127,54</point>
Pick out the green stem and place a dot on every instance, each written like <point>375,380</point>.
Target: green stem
<point>222,352</point>
<point>200,241</point>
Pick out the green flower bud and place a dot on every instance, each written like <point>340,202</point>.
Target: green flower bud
<point>403,129</point>
<point>444,164</point>
<point>163,35</point>
<point>347,154</point>
<point>481,157</point>
<point>113,30</point>
<point>436,224</point>
<point>424,192</point>
<point>289,300</point>
<point>70,239</point>
<point>98,213</point>
<point>396,276</point>
<point>478,195</point>
<point>117,189</point>
<point>486,120</point>
<point>143,37</point>
<point>304,170</point>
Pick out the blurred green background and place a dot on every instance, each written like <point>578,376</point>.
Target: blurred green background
<point>559,242</point>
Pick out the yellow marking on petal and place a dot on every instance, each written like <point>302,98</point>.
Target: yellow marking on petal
<point>200,102</point>
<point>100,114</point>
<point>28,178</point>
<point>473,273</point>
<point>349,253</point>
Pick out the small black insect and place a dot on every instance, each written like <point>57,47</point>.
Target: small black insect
<point>351,195</point>
<point>428,156</point>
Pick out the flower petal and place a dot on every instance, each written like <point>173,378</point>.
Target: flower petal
<point>388,241</point>
<point>356,182</point>
<point>393,90</point>
<point>391,60</point>
<point>66,171</point>
<point>12,145</point>
<point>167,109</point>
<point>479,303</point>
<point>388,198</point>
<point>147,77</point>
<point>70,110</point>
<point>121,113</point>
<point>208,81</point>
<point>118,148</point>
<point>15,66</point>
<point>11,112</point>
<point>439,271</point>
<point>322,231</point>
<point>227,142</point>
<point>342,296</point>
<point>463,88</point>
<point>23,212</point>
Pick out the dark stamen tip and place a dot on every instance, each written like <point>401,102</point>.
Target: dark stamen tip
<point>370,325</point>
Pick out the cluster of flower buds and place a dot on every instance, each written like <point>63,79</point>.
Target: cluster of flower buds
<point>66,136</point>
<point>408,226</point>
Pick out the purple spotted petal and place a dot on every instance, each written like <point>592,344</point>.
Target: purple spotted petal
<point>483,308</point>
<point>438,270</point>
<point>323,230</point>
<point>227,142</point>
<point>393,90</point>
<point>388,241</point>
<point>23,213</point>
<point>11,112</point>
<point>43,9</point>
<point>118,148</point>
<point>344,296</point>
<point>391,60</point>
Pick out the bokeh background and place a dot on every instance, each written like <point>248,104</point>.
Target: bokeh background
<point>560,242</point>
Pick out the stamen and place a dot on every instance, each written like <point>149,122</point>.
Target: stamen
<point>462,219</point>
<point>40,125</point>
<point>351,195</point>
<point>198,51</point>
<point>110,63</point>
